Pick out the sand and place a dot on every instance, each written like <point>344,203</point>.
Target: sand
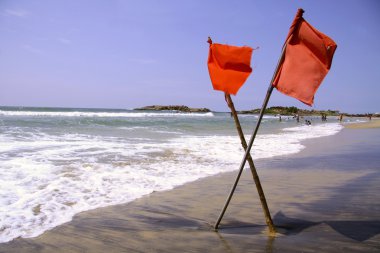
<point>323,199</point>
<point>374,123</point>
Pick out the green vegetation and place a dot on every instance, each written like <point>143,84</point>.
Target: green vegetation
<point>180,108</point>
<point>292,110</point>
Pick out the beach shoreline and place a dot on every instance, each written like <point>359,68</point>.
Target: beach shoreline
<point>373,123</point>
<point>322,199</point>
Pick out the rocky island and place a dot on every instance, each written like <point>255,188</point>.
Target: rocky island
<point>180,108</point>
<point>292,110</point>
<point>274,110</point>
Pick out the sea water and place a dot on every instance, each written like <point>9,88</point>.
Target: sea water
<point>57,162</point>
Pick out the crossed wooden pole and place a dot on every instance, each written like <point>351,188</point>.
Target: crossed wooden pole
<point>256,178</point>
<point>247,155</point>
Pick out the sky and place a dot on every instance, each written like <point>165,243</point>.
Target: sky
<point>129,53</point>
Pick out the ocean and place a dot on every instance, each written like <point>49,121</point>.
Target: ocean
<point>57,162</point>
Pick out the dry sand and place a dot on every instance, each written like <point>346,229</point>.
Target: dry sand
<point>324,199</point>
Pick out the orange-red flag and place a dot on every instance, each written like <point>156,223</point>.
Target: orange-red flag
<point>229,66</point>
<point>308,58</point>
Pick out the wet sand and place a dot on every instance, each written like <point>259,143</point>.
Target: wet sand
<point>323,199</point>
<point>374,123</point>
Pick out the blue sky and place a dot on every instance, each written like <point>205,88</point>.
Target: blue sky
<point>127,54</point>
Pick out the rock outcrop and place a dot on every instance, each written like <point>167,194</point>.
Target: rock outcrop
<point>181,108</point>
<point>282,110</point>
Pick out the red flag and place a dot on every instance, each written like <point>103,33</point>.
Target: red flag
<point>229,66</point>
<point>308,58</point>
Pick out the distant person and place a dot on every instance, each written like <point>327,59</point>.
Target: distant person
<point>341,117</point>
<point>307,122</point>
<point>280,118</point>
<point>298,118</point>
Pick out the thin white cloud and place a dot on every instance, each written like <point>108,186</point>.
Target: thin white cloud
<point>16,13</point>
<point>32,49</point>
<point>64,41</point>
<point>143,60</point>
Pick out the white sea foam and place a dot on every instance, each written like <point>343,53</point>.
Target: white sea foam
<point>352,121</point>
<point>103,114</point>
<point>47,179</point>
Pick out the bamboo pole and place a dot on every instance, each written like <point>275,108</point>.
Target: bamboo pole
<point>255,176</point>
<point>247,151</point>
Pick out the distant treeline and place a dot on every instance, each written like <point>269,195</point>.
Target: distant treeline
<point>181,108</point>
<point>274,110</point>
<point>292,110</point>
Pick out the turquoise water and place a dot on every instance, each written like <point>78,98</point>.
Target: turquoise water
<point>56,162</point>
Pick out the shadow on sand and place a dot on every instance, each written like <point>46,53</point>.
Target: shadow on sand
<point>356,230</point>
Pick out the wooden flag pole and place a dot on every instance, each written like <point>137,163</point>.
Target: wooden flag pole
<point>256,178</point>
<point>247,151</point>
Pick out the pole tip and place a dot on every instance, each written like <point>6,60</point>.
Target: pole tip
<point>300,12</point>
